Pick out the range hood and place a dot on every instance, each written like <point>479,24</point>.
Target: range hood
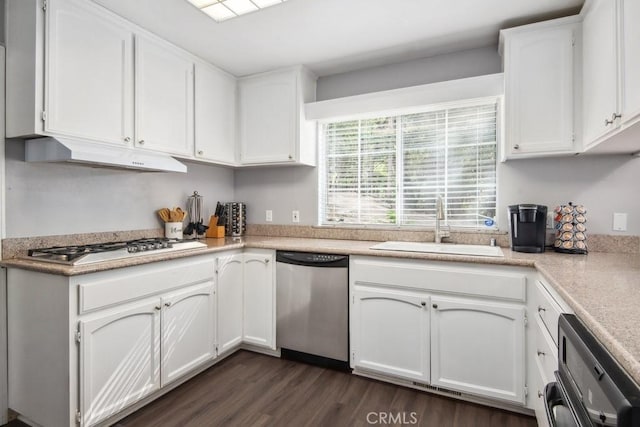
<point>59,149</point>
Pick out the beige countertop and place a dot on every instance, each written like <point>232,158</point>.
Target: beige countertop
<point>603,289</point>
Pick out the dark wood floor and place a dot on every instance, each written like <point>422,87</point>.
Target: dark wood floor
<point>250,389</point>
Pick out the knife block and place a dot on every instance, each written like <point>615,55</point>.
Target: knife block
<point>215,231</point>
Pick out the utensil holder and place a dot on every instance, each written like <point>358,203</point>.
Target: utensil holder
<point>173,230</point>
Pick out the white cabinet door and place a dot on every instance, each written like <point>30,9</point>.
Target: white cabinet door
<point>631,59</point>
<point>230,275</point>
<point>478,347</point>
<point>259,300</point>
<point>89,79</point>
<point>268,118</point>
<point>390,332</point>
<point>164,98</point>
<point>215,115</point>
<point>119,359</point>
<point>539,91</point>
<point>188,330</point>
<point>600,71</point>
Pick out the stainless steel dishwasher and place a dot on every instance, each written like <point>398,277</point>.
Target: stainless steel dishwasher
<point>312,306</point>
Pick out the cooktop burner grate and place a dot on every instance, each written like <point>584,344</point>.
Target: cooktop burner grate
<point>83,254</point>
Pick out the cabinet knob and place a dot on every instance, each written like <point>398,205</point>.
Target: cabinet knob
<point>290,157</point>
<point>167,304</point>
<point>266,260</point>
<point>200,152</point>
<point>541,353</point>
<point>435,306</point>
<point>158,307</point>
<point>540,394</point>
<point>141,142</point>
<point>127,139</point>
<point>423,303</point>
<point>516,147</point>
<point>541,309</point>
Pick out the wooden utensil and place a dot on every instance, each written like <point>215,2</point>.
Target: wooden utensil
<point>164,214</point>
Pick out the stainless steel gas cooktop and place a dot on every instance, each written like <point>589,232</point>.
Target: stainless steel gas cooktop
<point>87,254</point>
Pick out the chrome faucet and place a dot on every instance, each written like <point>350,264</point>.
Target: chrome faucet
<point>440,215</point>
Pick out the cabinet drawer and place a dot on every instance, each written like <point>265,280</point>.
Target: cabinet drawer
<point>547,310</point>
<point>465,279</point>
<point>545,353</point>
<point>106,288</point>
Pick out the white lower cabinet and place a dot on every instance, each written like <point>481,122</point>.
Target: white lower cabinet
<point>478,347</point>
<point>246,299</point>
<point>104,341</point>
<point>259,299</point>
<point>132,351</point>
<point>390,332</point>
<point>453,327</point>
<point>230,276</point>
<point>188,330</point>
<point>119,360</point>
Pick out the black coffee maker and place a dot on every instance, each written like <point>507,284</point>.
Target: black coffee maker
<point>527,224</point>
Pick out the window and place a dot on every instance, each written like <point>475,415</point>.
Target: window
<point>389,170</point>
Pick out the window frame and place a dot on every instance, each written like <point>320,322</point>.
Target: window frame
<point>462,103</point>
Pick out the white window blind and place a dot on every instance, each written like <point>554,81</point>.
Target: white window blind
<point>389,170</point>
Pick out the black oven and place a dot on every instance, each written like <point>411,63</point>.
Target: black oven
<point>591,389</point>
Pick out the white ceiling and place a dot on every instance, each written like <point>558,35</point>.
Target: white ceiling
<point>333,36</point>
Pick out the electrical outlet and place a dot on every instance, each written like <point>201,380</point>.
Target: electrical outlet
<point>268,215</point>
<point>549,219</point>
<point>295,216</point>
<point>619,222</point>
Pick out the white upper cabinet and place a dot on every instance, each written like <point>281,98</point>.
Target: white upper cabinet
<point>611,66</point>
<point>164,98</point>
<point>631,60</point>
<point>271,119</point>
<point>541,67</point>
<point>600,75</point>
<point>89,86</point>
<point>215,115</point>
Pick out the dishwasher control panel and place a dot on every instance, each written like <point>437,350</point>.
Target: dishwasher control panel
<point>312,259</point>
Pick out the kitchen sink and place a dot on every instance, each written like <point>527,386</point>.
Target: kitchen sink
<point>440,248</point>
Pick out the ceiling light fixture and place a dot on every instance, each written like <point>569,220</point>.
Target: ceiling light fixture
<point>221,10</point>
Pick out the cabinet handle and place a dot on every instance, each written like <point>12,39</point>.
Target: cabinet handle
<point>158,307</point>
<point>516,147</point>
<point>540,394</point>
<point>614,116</point>
<point>200,152</point>
<point>127,139</point>
<point>435,306</point>
<point>141,142</point>
<point>541,309</point>
<point>167,304</point>
<point>541,353</point>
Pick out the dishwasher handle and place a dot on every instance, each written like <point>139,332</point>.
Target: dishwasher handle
<point>312,259</point>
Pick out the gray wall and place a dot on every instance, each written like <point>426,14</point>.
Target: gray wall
<point>603,184</point>
<point>468,63</point>
<point>51,199</point>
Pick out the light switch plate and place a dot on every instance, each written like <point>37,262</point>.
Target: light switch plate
<point>268,215</point>
<point>619,222</point>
